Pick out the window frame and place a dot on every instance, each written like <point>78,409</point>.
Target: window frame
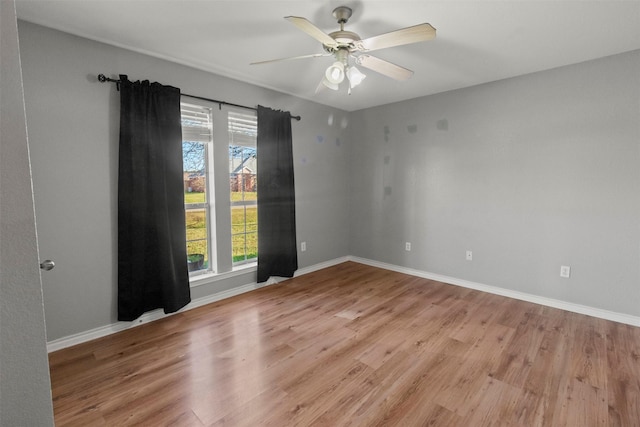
<point>221,265</point>
<point>207,205</point>
<point>246,139</point>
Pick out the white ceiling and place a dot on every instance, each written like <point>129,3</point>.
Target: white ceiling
<point>477,41</point>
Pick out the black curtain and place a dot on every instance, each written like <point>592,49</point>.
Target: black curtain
<point>277,254</point>
<point>152,259</point>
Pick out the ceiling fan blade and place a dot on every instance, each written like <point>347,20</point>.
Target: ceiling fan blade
<point>312,30</point>
<point>417,33</point>
<point>384,67</point>
<point>315,55</point>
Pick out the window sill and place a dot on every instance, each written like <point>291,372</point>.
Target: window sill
<point>208,278</point>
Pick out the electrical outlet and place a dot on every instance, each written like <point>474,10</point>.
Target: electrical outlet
<point>565,271</point>
<point>407,246</point>
<point>469,256</point>
<point>303,246</point>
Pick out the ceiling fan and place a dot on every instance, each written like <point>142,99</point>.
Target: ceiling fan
<point>343,45</point>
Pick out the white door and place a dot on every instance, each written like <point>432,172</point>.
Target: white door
<point>25,388</point>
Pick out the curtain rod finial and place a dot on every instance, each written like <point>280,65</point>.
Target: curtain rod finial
<point>102,78</point>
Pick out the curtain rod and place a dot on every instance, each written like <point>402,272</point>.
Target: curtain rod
<point>103,79</point>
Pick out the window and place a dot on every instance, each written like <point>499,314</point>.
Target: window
<point>197,136</point>
<point>243,130</point>
<point>222,228</point>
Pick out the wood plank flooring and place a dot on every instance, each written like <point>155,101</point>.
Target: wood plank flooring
<point>354,345</point>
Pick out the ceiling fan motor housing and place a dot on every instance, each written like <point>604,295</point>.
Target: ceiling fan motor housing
<point>344,39</point>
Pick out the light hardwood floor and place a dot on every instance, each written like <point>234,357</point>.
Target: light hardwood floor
<point>354,345</point>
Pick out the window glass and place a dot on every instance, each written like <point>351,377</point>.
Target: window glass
<point>243,186</point>
<point>196,136</point>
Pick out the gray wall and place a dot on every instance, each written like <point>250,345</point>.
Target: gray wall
<point>73,127</point>
<point>25,390</point>
<point>529,173</point>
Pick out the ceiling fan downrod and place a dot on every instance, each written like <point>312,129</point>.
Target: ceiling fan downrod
<point>342,14</point>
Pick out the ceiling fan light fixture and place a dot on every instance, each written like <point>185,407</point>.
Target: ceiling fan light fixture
<point>335,73</point>
<point>355,76</point>
<point>330,85</point>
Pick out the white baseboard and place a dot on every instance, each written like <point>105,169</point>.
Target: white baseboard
<point>103,331</point>
<point>550,302</point>
<point>320,266</point>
